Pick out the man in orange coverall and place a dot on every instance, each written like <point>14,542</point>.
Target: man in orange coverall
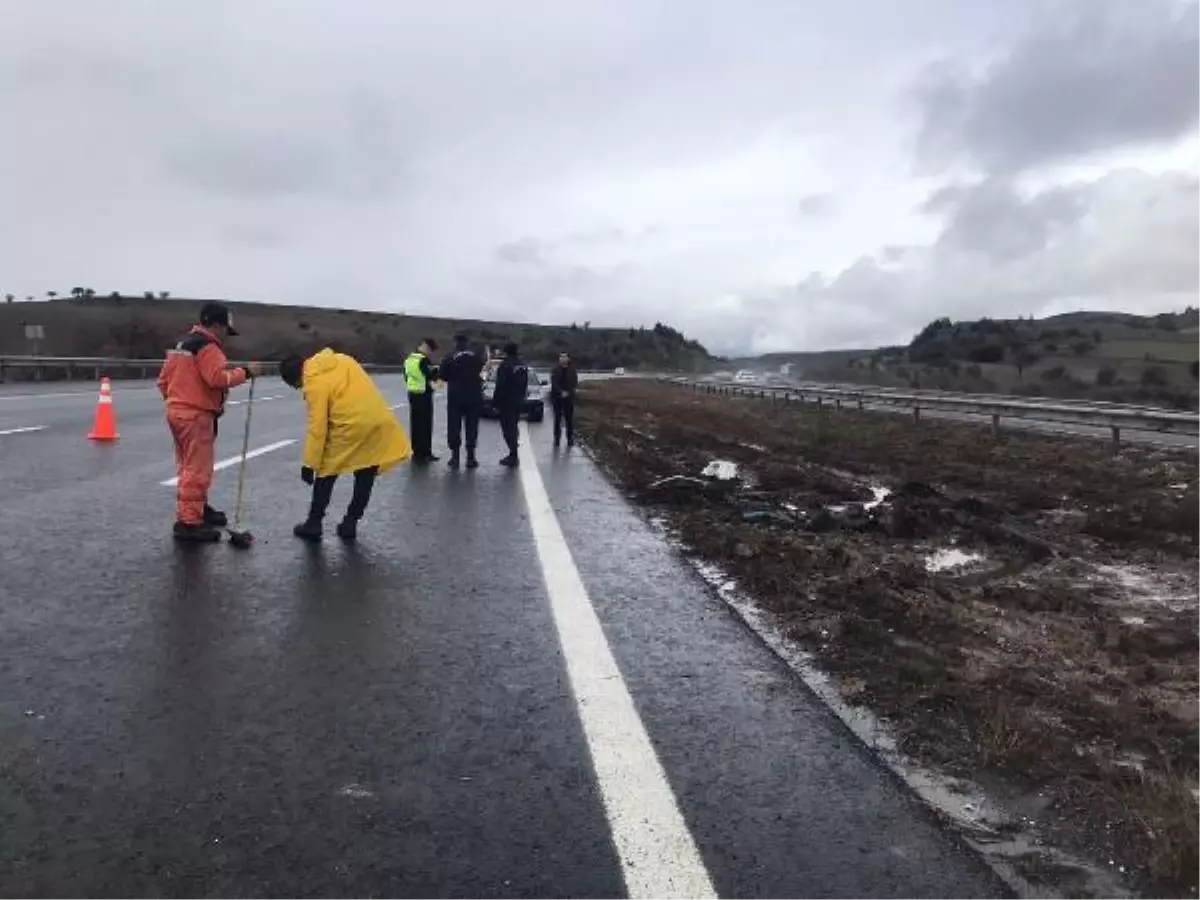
<point>194,381</point>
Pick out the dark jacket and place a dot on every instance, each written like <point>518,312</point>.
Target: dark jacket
<point>462,370</point>
<point>563,380</point>
<point>512,382</point>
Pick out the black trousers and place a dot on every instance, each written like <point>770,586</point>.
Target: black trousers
<point>420,421</point>
<point>462,415</point>
<point>364,481</point>
<point>509,428</point>
<point>564,413</point>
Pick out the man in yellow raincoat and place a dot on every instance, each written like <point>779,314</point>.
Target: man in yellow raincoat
<point>350,430</point>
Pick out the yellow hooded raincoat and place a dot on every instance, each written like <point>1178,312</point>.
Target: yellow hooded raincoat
<point>349,424</point>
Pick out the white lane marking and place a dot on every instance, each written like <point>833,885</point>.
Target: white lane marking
<point>658,855</point>
<point>24,430</point>
<point>256,400</point>
<point>234,460</point>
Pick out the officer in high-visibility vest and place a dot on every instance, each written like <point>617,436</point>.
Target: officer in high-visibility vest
<point>420,373</point>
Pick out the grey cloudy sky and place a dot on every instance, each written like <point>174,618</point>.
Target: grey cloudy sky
<point>768,175</point>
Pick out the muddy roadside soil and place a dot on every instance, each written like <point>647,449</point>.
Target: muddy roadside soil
<point>1021,612</point>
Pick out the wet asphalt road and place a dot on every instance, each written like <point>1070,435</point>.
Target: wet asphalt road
<point>393,718</point>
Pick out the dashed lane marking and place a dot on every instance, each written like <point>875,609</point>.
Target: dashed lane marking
<point>257,400</point>
<point>234,460</point>
<point>658,855</point>
<point>26,430</point>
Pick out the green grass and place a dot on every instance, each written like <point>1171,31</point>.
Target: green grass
<point>1184,351</point>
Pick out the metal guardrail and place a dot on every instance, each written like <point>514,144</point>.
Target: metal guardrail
<point>70,368</point>
<point>1115,418</point>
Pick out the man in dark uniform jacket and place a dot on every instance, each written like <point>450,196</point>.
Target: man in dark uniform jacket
<point>462,371</point>
<point>564,381</point>
<point>512,382</point>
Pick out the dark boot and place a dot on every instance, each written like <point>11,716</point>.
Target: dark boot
<point>453,463</point>
<point>472,462</point>
<point>195,534</point>
<point>309,529</point>
<point>215,517</point>
<point>347,529</point>
<point>511,461</point>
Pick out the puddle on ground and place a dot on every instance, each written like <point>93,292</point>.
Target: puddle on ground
<point>950,558</point>
<point>1146,589</point>
<point>721,469</point>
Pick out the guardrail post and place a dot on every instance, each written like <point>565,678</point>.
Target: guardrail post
<point>820,405</point>
<point>916,415</point>
<point>860,403</point>
<point>1116,441</point>
<point>995,425</point>
<point>96,374</point>
<point>838,403</point>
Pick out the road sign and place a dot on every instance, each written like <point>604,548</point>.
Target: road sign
<point>34,332</point>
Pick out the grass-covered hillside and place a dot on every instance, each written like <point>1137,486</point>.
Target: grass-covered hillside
<point>143,327</point>
<point>1097,355</point>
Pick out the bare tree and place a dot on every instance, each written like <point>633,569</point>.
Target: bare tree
<point>9,298</point>
<point>51,294</point>
<point>1023,358</point>
<point>163,295</point>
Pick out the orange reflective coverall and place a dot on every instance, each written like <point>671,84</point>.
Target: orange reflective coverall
<point>194,381</point>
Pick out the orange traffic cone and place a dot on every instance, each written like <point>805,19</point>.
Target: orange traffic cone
<point>105,427</point>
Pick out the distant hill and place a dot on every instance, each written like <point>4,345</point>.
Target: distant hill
<point>1099,355</point>
<point>800,361</point>
<point>143,327</point>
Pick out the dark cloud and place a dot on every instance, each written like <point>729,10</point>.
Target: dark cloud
<point>253,164</point>
<point>1129,240</point>
<point>526,251</point>
<point>1101,75</point>
<point>816,206</point>
<point>992,220</point>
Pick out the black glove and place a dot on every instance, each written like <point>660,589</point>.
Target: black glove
<point>249,374</point>
<point>307,475</point>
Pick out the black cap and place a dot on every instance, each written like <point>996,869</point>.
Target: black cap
<point>510,349</point>
<point>217,314</point>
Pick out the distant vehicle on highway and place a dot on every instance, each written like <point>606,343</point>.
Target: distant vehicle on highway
<point>744,376</point>
<point>620,370</point>
<point>534,407</point>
